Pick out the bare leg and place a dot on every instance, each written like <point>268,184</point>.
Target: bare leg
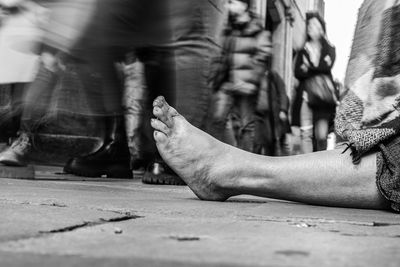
<point>321,131</point>
<point>216,171</point>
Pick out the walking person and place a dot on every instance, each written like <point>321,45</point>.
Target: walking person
<point>315,102</point>
<point>272,123</point>
<point>247,49</point>
<point>178,37</point>
<point>20,38</point>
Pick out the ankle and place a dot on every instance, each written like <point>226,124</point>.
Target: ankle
<point>256,175</point>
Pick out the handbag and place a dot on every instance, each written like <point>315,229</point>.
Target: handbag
<point>320,90</point>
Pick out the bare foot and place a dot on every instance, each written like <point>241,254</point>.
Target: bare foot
<point>195,156</point>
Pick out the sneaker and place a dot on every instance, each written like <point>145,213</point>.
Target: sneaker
<point>17,153</point>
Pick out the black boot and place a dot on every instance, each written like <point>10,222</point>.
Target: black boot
<point>112,159</point>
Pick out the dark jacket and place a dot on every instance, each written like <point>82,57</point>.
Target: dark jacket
<point>302,75</point>
<point>246,51</point>
<point>272,100</point>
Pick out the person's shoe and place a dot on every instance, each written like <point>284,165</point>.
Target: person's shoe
<point>112,159</point>
<point>160,173</point>
<point>17,153</point>
<point>107,161</point>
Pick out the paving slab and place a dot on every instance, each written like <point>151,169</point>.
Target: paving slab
<point>63,220</point>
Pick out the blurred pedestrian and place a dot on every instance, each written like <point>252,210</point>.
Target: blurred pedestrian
<point>246,51</point>
<point>20,38</point>
<point>315,101</point>
<point>272,120</point>
<point>177,40</point>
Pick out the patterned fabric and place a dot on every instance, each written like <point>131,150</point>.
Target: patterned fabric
<point>388,172</point>
<point>369,113</point>
<point>361,138</point>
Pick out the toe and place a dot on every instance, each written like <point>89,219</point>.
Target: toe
<point>172,112</point>
<point>159,101</point>
<point>160,137</point>
<point>160,126</point>
<point>163,111</point>
<point>162,116</point>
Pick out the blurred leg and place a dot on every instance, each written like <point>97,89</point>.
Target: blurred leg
<point>246,109</point>
<point>229,133</point>
<point>306,128</point>
<point>321,127</point>
<point>222,104</point>
<point>196,29</point>
<point>39,93</point>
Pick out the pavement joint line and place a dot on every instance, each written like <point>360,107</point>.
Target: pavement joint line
<point>315,221</point>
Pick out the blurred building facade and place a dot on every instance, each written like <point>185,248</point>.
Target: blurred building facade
<point>366,37</point>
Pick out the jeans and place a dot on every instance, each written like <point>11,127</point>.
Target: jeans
<point>179,69</point>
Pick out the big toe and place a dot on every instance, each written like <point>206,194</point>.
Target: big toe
<point>163,111</point>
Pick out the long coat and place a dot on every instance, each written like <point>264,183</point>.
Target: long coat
<point>323,67</point>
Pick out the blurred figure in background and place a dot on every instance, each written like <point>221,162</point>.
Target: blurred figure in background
<point>246,51</point>
<point>20,38</point>
<point>64,27</point>
<point>180,68</point>
<point>315,101</point>
<point>272,123</point>
<point>174,39</point>
<point>134,105</point>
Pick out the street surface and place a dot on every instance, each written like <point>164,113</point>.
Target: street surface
<point>60,220</point>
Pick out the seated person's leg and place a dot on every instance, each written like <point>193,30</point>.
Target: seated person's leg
<point>216,171</point>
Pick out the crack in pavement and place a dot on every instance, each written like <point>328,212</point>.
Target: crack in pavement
<point>100,221</point>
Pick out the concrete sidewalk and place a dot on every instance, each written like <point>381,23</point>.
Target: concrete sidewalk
<point>60,220</point>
